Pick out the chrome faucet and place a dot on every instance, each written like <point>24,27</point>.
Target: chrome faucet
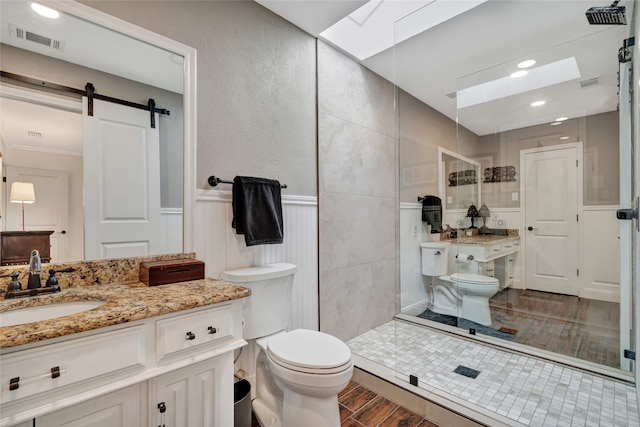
<point>35,268</point>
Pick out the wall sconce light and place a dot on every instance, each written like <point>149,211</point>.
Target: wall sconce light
<point>22,192</point>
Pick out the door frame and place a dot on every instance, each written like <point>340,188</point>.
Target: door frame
<point>578,146</point>
<point>75,232</point>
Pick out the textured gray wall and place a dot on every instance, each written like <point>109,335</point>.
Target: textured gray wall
<point>256,86</point>
<point>422,130</point>
<point>598,133</point>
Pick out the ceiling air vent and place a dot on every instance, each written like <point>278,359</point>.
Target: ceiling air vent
<point>34,134</point>
<point>24,34</point>
<point>584,84</point>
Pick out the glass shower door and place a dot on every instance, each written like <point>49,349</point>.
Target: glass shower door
<point>550,186</point>
<point>628,206</point>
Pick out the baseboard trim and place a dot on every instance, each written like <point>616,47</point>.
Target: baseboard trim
<point>599,291</point>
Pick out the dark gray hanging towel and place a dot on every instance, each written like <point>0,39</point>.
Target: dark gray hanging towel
<point>257,210</point>
<point>432,213</point>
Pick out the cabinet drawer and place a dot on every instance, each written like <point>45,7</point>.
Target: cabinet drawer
<point>493,250</point>
<point>486,269</point>
<point>509,247</point>
<point>49,367</point>
<point>189,331</point>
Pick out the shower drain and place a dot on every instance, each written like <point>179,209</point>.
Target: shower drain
<point>467,372</point>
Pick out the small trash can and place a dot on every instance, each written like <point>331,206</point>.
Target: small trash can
<point>242,404</point>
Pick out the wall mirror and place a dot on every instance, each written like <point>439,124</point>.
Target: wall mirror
<point>42,131</point>
<point>459,181</point>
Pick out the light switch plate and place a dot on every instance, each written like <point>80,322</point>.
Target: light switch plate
<point>449,199</point>
<point>514,196</point>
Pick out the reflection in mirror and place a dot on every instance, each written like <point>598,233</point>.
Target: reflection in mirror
<point>42,132</point>
<point>459,181</point>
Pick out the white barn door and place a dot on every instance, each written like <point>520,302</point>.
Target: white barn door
<point>122,164</point>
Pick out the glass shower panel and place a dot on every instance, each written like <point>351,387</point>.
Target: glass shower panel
<point>548,145</point>
<point>529,193</point>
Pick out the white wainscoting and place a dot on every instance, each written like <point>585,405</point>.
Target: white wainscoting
<point>221,249</point>
<point>600,271</point>
<point>599,259</point>
<point>413,295</point>
<point>171,238</point>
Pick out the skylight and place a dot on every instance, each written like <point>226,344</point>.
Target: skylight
<point>372,28</point>
<point>537,78</point>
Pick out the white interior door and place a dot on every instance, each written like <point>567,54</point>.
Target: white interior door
<point>550,183</point>
<point>50,210</point>
<point>122,216</point>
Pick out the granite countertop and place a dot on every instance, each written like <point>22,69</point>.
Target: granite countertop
<point>483,239</point>
<point>124,303</point>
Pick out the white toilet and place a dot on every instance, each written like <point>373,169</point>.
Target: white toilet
<point>461,295</point>
<point>298,374</point>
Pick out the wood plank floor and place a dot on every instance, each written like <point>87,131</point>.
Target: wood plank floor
<point>577,327</point>
<point>361,407</point>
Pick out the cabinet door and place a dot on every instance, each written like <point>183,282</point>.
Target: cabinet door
<point>197,395</point>
<point>117,409</point>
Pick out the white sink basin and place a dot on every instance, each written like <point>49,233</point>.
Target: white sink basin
<point>45,312</point>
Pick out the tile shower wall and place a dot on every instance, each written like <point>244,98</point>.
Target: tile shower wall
<point>357,196</point>
<point>221,249</point>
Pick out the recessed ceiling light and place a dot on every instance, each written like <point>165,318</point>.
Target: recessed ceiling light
<point>538,103</point>
<point>562,119</point>
<point>564,137</point>
<point>519,74</point>
<point>556,123</point>
<point>45,11</point>
<point>526,64</point>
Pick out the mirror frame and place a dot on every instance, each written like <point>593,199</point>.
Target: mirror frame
<point>189,98</point>
<point>442,180</point>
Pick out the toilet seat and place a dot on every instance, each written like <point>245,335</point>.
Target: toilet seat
<point>473,279</point>
<point>309,351</point>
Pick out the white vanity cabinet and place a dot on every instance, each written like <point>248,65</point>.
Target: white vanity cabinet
<point>118,376</point>
<point>118,408</point>
<point>495,259</point>
<point>193,396</point>
<point>54,367</point>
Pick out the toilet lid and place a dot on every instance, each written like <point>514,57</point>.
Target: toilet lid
<point>309,351</point>
<point>473,279</point>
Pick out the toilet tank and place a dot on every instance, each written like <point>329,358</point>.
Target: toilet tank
<point>266,311</point>
<point>435,258</point>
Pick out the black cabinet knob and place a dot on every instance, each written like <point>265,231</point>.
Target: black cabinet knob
<point>190,336</point>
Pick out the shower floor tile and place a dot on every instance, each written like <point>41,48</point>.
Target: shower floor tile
<point>524,389</point>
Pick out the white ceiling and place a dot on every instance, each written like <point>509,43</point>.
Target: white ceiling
<point>92,46</point>
<point>485,43</point>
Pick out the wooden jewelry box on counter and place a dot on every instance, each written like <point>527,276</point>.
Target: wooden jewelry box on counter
<point>163,272</point>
